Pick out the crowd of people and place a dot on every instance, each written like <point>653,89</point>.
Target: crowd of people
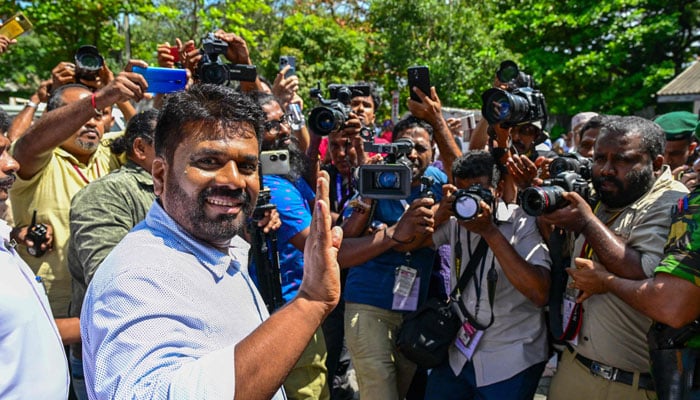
<point>132,267</point>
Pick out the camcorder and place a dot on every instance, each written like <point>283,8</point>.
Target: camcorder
<point>88,63</point>
<point>212,70</point>
<point>467,201</point>
<point>392,178</point>
<point>520,104</point>
<point>538,200</point>
<point>38,235</point>
<point>330,115</point>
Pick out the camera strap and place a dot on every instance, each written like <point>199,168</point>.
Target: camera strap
<point>477,257</point>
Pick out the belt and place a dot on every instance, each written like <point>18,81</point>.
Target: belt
<point>615,374</point>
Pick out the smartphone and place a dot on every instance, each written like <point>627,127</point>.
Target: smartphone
<point>175,52</point>
<point>292,62</point>
<point>468,125</point>
<point>274,162</point>
<point>16,26</point>
<point>418,76</point>
<point>163,80</point>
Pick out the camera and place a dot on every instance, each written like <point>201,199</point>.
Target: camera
<point>509,74</point>
<point>38,235</point>
<point>274,162</point>
<point>538,200</point>
<point>466,205</point>
<point>516,107</point>
<point>211,70</point>
<point>391,179</point>
<point>331,115</point>
<point>571,162</point>
<point>88,63</point>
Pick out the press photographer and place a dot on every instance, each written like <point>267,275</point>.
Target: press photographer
<point>498,295</point>
<point>625,231</point>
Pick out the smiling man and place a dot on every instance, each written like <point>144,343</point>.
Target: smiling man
<point>172,312</point>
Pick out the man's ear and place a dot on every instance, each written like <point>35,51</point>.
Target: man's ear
<point>691,147</point>
<point>658,162</point>
<point>139,149</point>
<point>158,171</point>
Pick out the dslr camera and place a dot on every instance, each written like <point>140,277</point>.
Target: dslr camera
<point>573,162</point>
<point>538,200</point>
<point>392,178</point>
<point>330,115</point>
<point>88,63</point>
<point>212,70</point>
<point>466,205</point>
<point>521,103</point>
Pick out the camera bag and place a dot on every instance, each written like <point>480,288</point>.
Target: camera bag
<point>427,333</point>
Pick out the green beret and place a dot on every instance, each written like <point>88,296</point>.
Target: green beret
<point>678,125</point>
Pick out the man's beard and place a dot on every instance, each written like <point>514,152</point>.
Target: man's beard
<point>297,158</point>
<point>90,146</point>
<point>638,183</point>
<point>223,227</point>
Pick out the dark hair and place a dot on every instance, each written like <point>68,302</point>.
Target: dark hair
<point>5,121</point>
<point>593,123</point>
<point>653,138</point>
<point>56,97</point>
<point>262,98</point>
<point>475,164</point>
<point>408,123</point>
<point>205,104</point>
<point>141,125</point>
<point>373,93</point>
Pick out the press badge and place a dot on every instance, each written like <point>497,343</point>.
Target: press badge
<point>468,338</point>
<point>406,289</point>
<point>569,304</point>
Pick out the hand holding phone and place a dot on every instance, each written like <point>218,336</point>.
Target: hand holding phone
<point>163,80</point>
<point>292,62</point>
<point>15,26</point>
<point>418,76</point>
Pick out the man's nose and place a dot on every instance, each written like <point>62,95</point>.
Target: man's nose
<point>229,176</point>
<point>8,164</point>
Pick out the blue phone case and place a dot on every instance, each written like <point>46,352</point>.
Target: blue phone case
<point>163,80</point>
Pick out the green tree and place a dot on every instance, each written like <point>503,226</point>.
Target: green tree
<point>609,56</point>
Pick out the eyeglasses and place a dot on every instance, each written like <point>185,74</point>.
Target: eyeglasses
<point>275,124</point>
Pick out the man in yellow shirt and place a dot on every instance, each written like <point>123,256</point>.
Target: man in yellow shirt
<point>60,154</point>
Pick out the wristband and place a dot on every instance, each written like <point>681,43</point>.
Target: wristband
<point>31,104</point>
<point>98,112</point>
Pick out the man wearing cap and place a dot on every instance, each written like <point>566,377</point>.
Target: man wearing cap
<point>679,127</point>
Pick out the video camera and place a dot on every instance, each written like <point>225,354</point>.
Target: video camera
<point>521,103</point>
<point>332,114</point>
<point>212,70</point>
<point>466,205</point>
<point>392,178</point>
<point>88,63</point>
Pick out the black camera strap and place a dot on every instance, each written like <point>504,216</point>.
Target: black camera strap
<point>475,258</point>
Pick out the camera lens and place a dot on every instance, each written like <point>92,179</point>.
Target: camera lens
<point>508,71</point>
<point>501,106</point>
<point>273,157</point>
<point>324,120</point>
<point>387,180</point>
<point>283,157</point>
<point>538,200</point>
<point>466,206</point>
<point>214,73</point>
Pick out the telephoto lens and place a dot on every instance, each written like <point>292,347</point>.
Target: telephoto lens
<point>538,200</point>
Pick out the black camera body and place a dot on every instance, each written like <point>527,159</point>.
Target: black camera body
<point>538,200</point>
<point>509,74</point>
<point>573,162</point>
<point>391,179</point>
<point>330,115</point>
<point>516,107</point>
<point>212,70</point>
<point>466,205</point>
<point>38,234</point>
<point>88,63</point>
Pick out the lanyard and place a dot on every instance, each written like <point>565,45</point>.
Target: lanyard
<point>84,178</point>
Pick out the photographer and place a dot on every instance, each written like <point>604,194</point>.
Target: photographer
<point>510,326</point>
<point>606,354</point>
<point>374,310</point>
<point>680,128</point>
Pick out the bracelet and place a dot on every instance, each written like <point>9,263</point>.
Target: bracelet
<point>31,104</point>
<point>98,112</point>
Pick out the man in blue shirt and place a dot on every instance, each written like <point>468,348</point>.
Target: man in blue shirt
<point>172,311</point>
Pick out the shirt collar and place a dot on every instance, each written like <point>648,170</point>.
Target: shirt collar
<point>142,176</point>
<point>211,258</point>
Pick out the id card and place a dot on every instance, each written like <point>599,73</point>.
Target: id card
<point>567,311</point>
<point>406,289</point>
<point>467,339</point>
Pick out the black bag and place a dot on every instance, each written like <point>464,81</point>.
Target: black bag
<point>427,333</point>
